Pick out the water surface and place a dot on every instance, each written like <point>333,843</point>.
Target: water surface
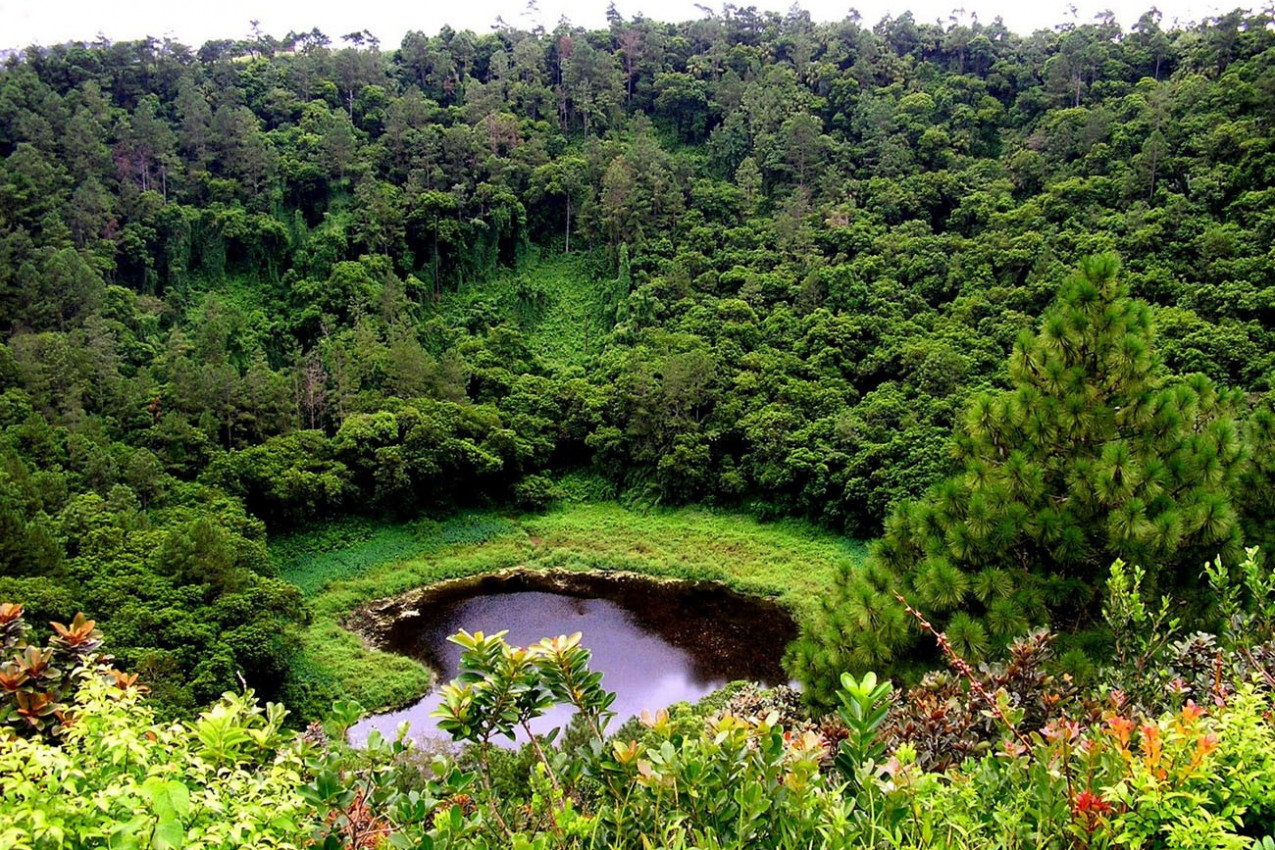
<point>656,643</point>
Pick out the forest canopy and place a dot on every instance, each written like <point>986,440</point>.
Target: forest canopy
<point>805,269</point>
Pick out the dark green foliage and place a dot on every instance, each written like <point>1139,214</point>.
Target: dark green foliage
<point>1095,455</point>
<point>851,228</point>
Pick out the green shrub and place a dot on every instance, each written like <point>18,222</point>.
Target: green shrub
<point>118,778</point>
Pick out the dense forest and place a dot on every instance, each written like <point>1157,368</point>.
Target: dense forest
<point>1000,302</point>
<point>269,282</point>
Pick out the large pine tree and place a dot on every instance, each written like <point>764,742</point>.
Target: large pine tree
<point>1095,454</point>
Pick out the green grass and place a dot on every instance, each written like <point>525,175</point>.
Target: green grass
<point>791,560</point>
<point>346,564</point>
<point>348,548</point>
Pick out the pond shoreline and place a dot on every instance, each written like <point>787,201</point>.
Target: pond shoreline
<point>378,571</point>
<point>658,640</point>
<point>369,620</point>
<point>372,622</point>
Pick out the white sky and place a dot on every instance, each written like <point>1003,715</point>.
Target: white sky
<point>193,22</point>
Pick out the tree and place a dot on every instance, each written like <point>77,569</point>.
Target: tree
<point>803,145</point>
<point>355,69</point>
<point>683,101</point>
<point>591,84</point>
<point>748,179</point>
<point>620,214</point>
<point>378,217</point>
<point>1095,454</point>
<point>243,152</point>
<point>565,176</point>
<point>1149,45</point>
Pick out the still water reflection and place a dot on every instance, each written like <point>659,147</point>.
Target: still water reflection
<point>655,643</point>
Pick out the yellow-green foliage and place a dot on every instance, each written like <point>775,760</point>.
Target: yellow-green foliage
<point>1190,779</point>
<point>119,779</point>
<point>1187,779</point>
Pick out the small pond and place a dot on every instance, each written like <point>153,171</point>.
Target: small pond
<point>655,642</point>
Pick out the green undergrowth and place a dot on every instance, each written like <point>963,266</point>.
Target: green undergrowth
<point>349,563</point>
<point>347,548</point>
<point>556,303</point>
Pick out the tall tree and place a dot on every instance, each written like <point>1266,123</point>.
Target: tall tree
<point>1095,454</point>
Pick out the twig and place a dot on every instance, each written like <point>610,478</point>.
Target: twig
<point>491,796</point>
<point>963,667</point>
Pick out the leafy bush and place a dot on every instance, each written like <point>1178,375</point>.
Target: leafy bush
<point>116,777</point>
<point>945,722</point>
<point>37,683</point>
<point>536,492</point>
<point>1020,759</point>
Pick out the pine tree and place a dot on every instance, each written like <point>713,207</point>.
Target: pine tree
<point>1094,454</point>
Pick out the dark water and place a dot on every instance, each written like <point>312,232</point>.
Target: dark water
<point>655,643</point>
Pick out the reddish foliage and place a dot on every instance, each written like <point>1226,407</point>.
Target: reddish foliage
<point>949,718</point>
<point>359,825</point>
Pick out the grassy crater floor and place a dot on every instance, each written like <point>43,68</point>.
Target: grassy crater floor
<point>348,563</point>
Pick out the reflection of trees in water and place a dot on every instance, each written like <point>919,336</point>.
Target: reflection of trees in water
<point>725,635</point>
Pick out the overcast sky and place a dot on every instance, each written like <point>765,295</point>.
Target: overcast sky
<point>193,22</point>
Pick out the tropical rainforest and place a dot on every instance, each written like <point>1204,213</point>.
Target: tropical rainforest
<point>713,299</point>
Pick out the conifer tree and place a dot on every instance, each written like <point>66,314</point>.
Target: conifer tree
<point>1094,454</point>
